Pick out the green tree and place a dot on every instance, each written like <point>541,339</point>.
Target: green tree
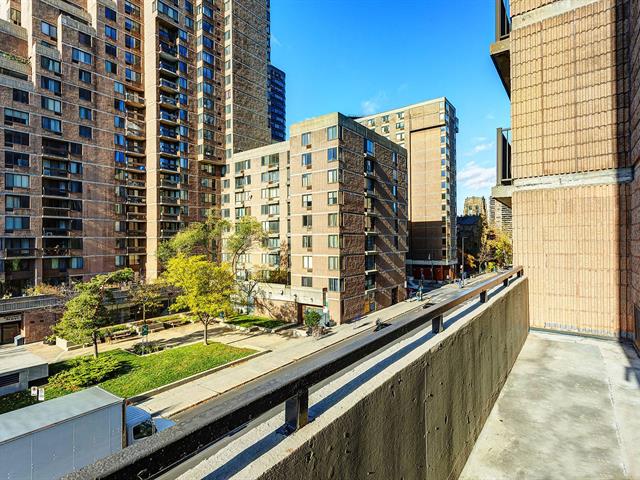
<point>199,238</point>
<point>87,311</point>
<point>205,288</point>
<point>147,297</point>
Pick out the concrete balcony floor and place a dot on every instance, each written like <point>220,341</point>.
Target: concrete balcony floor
<point>569,409</point>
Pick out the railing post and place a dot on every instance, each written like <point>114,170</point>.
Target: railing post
<point>505,283</point>
<point>483,296</point>
<point>296,411</point>
<point>437,324</point>
<point>519,274</point>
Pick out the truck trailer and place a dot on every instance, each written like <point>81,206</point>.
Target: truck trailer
<point>50,439</point>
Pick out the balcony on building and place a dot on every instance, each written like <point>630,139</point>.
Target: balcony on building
<point>167,51</point>
<point>503,190</point>
<point>500,49</point>
<point>62,247</point>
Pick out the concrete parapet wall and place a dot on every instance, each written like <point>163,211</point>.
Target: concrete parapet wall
<point>420,417</point>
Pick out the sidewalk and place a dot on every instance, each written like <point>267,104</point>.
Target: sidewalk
<point>191,394</point>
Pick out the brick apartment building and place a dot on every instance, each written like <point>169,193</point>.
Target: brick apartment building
<point>118,118</point>
<point>333,201</point>
<point>428,131</point>
<point>569,166</point>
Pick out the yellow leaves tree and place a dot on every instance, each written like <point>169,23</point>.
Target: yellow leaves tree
<point>205,288</point>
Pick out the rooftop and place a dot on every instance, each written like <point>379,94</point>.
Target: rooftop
<point>16,359</point>
<point>569,409</point>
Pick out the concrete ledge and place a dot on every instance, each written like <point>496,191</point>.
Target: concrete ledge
<point>420,415</point>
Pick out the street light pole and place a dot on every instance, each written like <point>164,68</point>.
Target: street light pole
<point>462,265</point>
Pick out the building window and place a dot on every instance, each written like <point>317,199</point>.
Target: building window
<point>110,67</point>
<point>306,139</point>
<point>306,159</point>
<point>110,14</point>
<point>14,180</point>
<point>399,125</point>
<point>332,133</point>
<point>332,176</point>
<point>307,201</point>
<point>369,147</point>
<point>307,241</point>
<point>307,262</point>
<point>15,159</point>
<point>84,76</point>
<point>332,198</point>
<point>20,96</point>
<point>12,116</point>
<point>334,284</point>
<point>307,220</point>
<point>16,223</point>
<point>50,64</point>
<point>85,113</point>
<point>334,263</point>
<point>12,138</point>
<point>52,124</point>
<point>332,154</point>
<point>306,179</point>
<point>81,56</point>
<point>85,132</point>
<point>110,49</point>
<point>111,33</point>
<point>332,220</point>
<point>84,94</point>
<point>13,202</point>
<point>307,282</point>
<point>49,30</point>
<point>385,119</point>
<point>400,115</point>
<point>50,84</point>
<point>84,39</point>
<point>333,241</point>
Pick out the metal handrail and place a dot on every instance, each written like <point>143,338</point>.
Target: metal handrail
<point>290,385</point>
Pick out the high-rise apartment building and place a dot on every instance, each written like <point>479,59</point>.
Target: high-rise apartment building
<point>475,206</point>
<point>569,165</point>
<point>277,104</point>
<point>428,132</point>
<point>333,201</point>
<point>118,119</point>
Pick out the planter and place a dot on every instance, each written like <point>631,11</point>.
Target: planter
<point>67,345</point>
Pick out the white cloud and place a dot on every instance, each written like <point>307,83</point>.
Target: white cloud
<point>479,139</point>
<point>481,147</point>
<point>476,177</point>
<point>275,41</point>
<point>373,105</point>
<point>490,116</point>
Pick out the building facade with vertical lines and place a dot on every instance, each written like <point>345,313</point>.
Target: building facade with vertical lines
<point>568,167</point>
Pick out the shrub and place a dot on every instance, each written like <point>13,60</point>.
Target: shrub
<point>85,372</point>
<point>146,348</point>
<point>312,318</point>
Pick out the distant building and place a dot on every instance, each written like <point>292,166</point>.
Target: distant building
<point>428,131</point>
<point>470,232</point>
<point>277,104</point>
<point>475,206</point>
<point>500,216</point>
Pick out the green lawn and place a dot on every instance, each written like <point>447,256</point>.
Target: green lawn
<point>143,373</point>
<point>254,320</point>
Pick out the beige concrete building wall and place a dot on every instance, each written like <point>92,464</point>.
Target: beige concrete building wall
<point>570,130</point>
<point>428,131</point>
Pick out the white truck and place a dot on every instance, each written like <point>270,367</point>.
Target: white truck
<point>53,438</point>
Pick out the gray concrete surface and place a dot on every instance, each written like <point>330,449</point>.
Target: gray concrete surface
<point>570,409</point>
<point>411,411</point>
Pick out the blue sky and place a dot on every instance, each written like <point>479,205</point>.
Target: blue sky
<point>363,56</point>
